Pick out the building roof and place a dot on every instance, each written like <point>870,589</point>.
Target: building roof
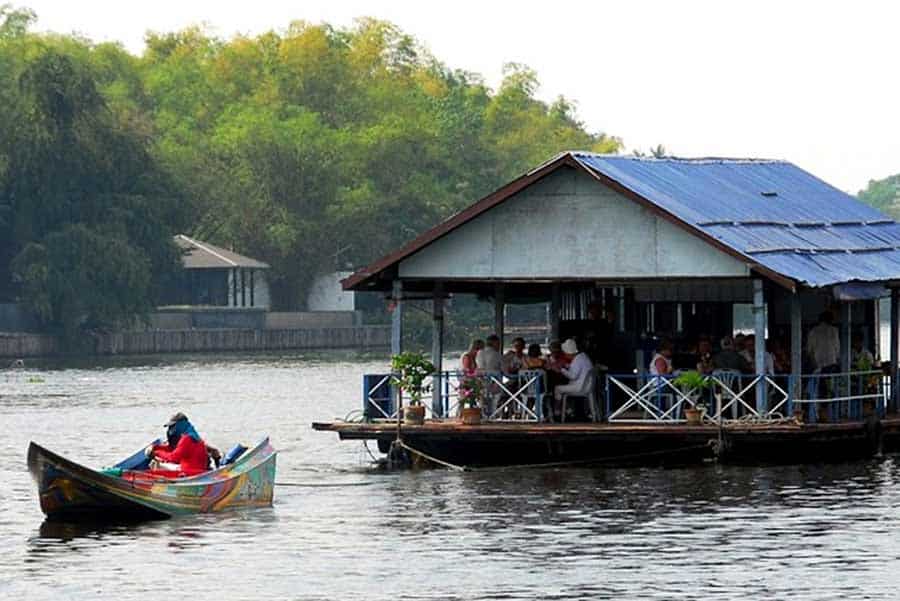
<point>203,255</point>
<point>782,221</point>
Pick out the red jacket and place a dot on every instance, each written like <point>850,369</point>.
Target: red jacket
<point>189,454</point>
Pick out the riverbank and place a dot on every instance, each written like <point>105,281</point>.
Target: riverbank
<point>17,346</point>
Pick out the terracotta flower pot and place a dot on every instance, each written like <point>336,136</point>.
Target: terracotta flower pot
<point>471,415</point>
<point>414,415</point>
<point>692,416</point>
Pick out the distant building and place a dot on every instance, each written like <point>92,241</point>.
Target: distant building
<point>327,294</point>
<point>216,277</point>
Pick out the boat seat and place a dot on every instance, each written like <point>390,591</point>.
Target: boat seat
<point>233,455</point>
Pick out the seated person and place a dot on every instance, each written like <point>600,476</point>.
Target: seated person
<point>556,359</point>
<point>577,373</point>
<point>661,363</point>
<point>862,359</point>
<point>488,359</point>
<point>704,357</point>
<point>729,358</point>
<point>467,360</point>
<point>533,359</point>
<point>514,359</point>
<point>185,453</point>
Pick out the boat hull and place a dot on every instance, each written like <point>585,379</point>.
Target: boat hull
<point>72,492</point>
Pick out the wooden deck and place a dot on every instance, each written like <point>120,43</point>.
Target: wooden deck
<point>504,443</point>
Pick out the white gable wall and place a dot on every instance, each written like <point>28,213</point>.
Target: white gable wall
<point>568,225</point>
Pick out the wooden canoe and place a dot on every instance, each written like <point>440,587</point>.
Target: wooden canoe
<point>71,492</point>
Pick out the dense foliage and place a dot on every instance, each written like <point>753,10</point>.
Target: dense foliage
<point>883,194</point>
<point>311,148</point>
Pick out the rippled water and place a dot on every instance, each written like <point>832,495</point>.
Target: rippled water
<point>345,531</point>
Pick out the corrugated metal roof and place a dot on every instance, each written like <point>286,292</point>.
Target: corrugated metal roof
<point>774,213</point>
<point>203,255</point>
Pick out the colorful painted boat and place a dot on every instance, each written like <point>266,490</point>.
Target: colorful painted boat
<point>69,491</point>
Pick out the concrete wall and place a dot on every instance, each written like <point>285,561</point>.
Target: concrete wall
<point>17,346</point>
<point>252,319</point>
<point>312,319</point>
<point>326,294</point>
<point>206,341</point>
<point>570,225</point>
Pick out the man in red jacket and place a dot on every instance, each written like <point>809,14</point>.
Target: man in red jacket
<point>185,452</point>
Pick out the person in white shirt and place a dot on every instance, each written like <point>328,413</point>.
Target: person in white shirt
<point>661,363</point>
<point>823,343</point>
<point>488,360</point>
<point>578,372</point>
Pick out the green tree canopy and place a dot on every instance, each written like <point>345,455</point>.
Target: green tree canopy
<point>310,148</point>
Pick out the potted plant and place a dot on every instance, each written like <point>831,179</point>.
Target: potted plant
<point>411,369</point>
<point>692,384</point>
<point>471,393</point>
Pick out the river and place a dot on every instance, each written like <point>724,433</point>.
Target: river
<point>345,531</point>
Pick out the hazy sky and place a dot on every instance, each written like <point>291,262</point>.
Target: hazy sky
<point>816,83</point>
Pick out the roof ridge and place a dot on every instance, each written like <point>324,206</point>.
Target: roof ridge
<point>677,159</point>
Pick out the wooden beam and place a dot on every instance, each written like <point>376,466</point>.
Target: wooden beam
<point>895,341</point>
<point>759,355</point>
<point>796,345</point>
<point>397,317</point>
<point>499,305</point>
<point>437,349</point>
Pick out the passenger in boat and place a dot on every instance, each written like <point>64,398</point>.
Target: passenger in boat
<point>533,359</point>
<point>467,363</point>
<point>185,453</point>
<point>488,359</point>
<point>823,344</point>
<point>514,359</point>
<point>661,364</point>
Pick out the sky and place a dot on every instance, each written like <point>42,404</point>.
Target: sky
<point>815,83</point>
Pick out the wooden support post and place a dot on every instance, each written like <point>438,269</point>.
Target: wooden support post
<point>555,305</point>
<point>846,325</point>
<point>437,350</point>
<point>499,304</point>
<point>759,355</point>
<point>895,342</point>
<point>873,328</point>
<point>843,408</point>
<point>796,346</point>
<point>397,317</point>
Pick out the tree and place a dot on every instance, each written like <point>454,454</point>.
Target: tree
<point>883,194</point>
<point>90,214</point>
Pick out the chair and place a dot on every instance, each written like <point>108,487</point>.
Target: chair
<point>589,393</point>
<point>728,378</point>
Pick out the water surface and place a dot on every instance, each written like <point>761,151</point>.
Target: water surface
<point>345,531</point>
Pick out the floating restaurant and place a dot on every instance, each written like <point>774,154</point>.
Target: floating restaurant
<point>664,248</point>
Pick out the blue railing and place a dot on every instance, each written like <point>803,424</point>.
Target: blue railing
<point>726,397</point>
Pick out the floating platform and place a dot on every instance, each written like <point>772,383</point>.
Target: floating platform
<point>508,444</point>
